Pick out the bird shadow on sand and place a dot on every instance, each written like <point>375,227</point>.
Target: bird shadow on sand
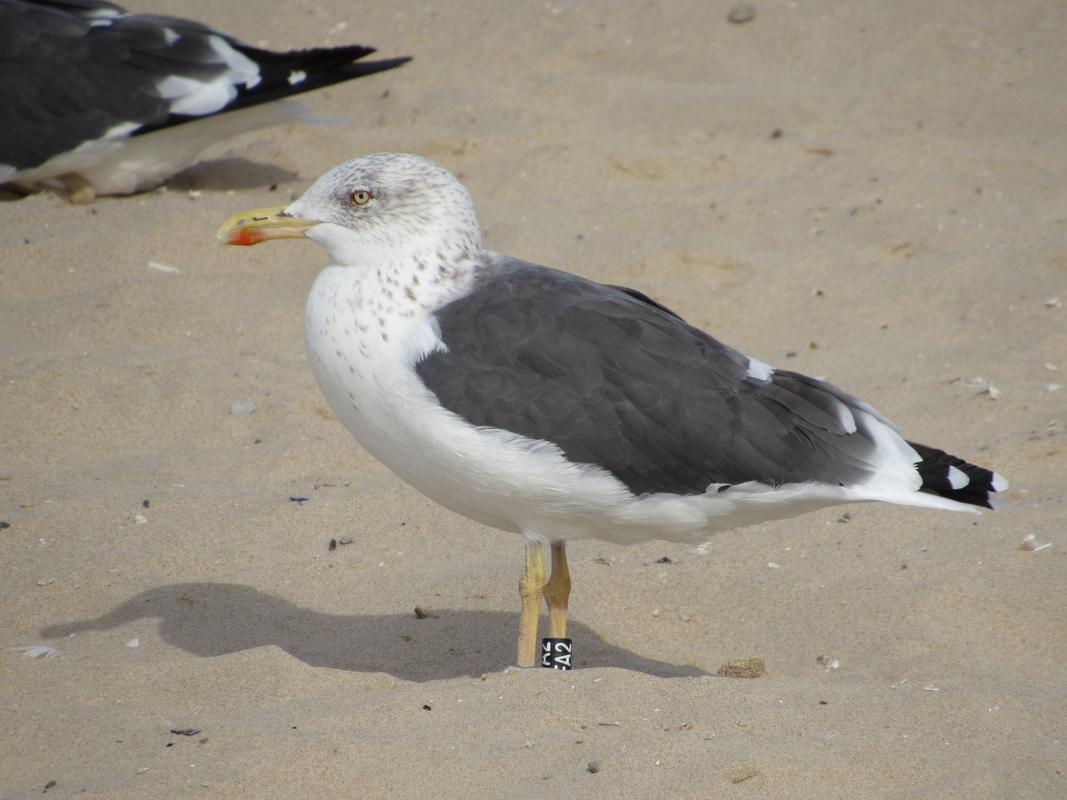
<point>9,194</point>
<point>214,619</point>
<point>223,174</point>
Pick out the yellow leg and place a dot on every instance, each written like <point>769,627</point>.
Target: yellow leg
<point>530,586</point>
<point>557,591</point>
<point>79,191</point>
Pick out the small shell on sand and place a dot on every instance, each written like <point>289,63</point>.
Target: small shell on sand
<point>38,651</point>
<point>241,407</point>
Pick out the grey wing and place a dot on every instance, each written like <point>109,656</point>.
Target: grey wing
<point>71,71</point>
<point>616,380</point>
<point>53,99</point>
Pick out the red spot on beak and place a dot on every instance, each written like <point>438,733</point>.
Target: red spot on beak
<point>245,237</point>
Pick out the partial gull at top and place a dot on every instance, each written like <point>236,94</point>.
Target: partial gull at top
<point>100,101</point>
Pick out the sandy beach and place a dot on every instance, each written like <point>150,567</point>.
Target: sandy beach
<point>872,193</point>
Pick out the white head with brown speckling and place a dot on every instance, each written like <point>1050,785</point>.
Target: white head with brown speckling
<point>373,210</point>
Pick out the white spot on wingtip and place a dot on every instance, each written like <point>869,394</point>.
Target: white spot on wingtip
<point>999,482</point>
<point>297,76</point>
<point>846,418</point>
<point>957,478</point>
<point>758,370</point>
<point>171,36</point>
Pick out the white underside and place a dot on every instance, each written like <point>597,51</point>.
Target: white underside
<point>120,164</point>
<point>511,482</point>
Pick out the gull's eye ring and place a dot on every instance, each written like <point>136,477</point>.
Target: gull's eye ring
<point>360,197</point>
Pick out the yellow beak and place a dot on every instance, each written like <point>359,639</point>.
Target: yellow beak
<point>260,224</point>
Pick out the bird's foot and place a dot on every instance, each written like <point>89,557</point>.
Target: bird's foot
<point>79,191</point>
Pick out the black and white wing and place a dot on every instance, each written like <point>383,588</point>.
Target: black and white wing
<point>78,77</point>
<point>616,380</point>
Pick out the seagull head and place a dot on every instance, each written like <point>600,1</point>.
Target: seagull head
<point>371,211</point>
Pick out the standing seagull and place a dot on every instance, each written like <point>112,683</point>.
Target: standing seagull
<point>538,402</point>
<point>100,101</point>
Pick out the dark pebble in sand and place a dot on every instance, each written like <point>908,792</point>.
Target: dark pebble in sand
<point>741,13</point>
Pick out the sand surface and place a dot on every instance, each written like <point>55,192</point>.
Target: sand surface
<point>908,159</point>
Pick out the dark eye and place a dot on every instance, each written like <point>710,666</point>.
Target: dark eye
<point>361,197</point>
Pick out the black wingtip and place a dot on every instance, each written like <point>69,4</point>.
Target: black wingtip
<point>316,68</point>
<point>950,476</point>
<point>360,68</point>
<point>321,67</point>
<point>319,58</point>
